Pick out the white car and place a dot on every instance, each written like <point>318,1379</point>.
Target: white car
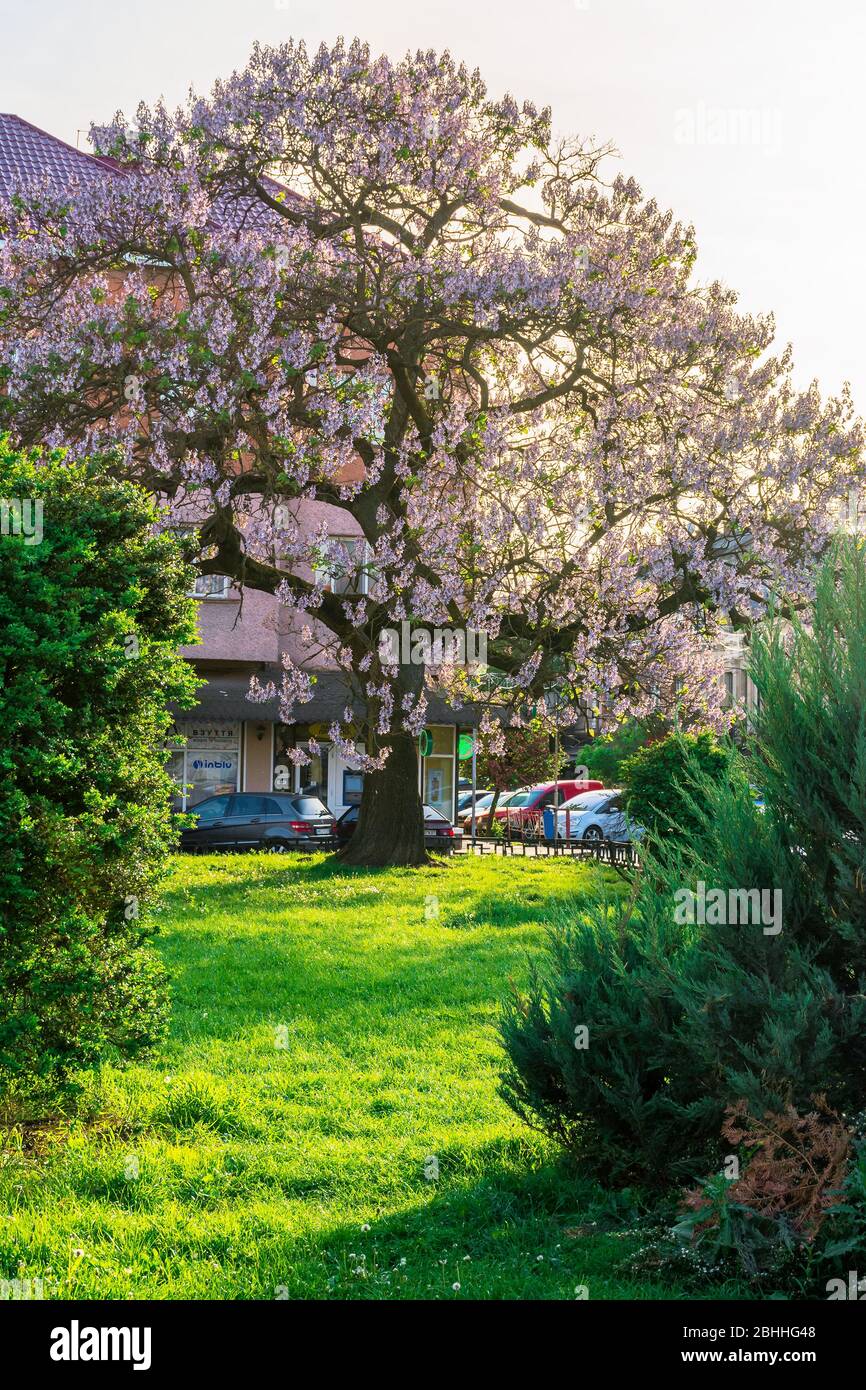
<point>598,815</point>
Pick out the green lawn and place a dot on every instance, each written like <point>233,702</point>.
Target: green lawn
<point>332,1030</point>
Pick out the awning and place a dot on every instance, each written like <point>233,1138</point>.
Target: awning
<point>225,697</point>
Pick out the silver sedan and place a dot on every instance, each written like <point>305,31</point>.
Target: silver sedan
<point>598,815</point>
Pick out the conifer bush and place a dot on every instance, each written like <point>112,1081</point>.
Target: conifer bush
<point>685,1017</point>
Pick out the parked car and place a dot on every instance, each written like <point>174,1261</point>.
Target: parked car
<point>596,815</point>
<point>439,833</point>
<point>464,800</point>
<point>524,808</point>
<point>252,820</point>
<point>482,806</point>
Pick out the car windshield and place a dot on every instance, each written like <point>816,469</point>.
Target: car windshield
<point>430,814</point>
<point>521,798</point>
<point>310,806</point>
<point>584,802</point>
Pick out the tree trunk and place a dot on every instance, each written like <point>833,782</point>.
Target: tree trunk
<point>492,812</point>
<point>390,826</point>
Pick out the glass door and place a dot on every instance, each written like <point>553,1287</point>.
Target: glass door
<point>312,778</point>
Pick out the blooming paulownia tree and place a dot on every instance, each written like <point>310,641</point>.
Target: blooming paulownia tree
<point>367,283</point>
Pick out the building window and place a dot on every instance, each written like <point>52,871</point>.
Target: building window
<point>738,687</point>
<point>211,586</point>
<point>325,775</point>
<point>207,765</point>
<point>346,569</point>
<point>311,778</point>
<point>206,585</point>
<point>851,512</point>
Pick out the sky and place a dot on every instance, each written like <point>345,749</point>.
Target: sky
<point>745,118</point>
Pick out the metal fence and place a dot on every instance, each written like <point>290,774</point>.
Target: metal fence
<point>619,853</point>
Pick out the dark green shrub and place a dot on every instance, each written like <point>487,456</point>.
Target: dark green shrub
<point>90,619</point>
<point>688,1017</point>
<point>610,1095</point>
<point>660,779</point>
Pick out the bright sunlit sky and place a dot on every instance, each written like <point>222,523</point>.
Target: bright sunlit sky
<point>746,118</point>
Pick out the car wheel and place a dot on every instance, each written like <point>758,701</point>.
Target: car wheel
<point>593,832</point>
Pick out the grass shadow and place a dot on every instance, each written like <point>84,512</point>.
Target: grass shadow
<point>501,1222</point>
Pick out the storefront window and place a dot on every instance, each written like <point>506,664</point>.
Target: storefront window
<point>439,785</point>
<point>208,765</point>
<point>284,772</point>
<point>175,766</point>
<point>438,782</point>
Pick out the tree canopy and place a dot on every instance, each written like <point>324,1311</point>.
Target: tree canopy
<point>368,283</point>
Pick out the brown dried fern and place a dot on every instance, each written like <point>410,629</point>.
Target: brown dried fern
<point>796,1163</point>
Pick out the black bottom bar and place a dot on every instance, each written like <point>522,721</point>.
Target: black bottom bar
<point>166,1338</point>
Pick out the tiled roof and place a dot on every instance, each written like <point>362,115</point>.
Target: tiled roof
<point>26,152</point>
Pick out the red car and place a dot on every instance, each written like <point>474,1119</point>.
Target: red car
<point>525,807</point>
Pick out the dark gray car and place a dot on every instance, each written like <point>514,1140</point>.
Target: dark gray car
<point>260,820</point>
<point>439,833</point>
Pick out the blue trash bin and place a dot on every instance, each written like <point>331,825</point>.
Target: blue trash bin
<point>549,823</point>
